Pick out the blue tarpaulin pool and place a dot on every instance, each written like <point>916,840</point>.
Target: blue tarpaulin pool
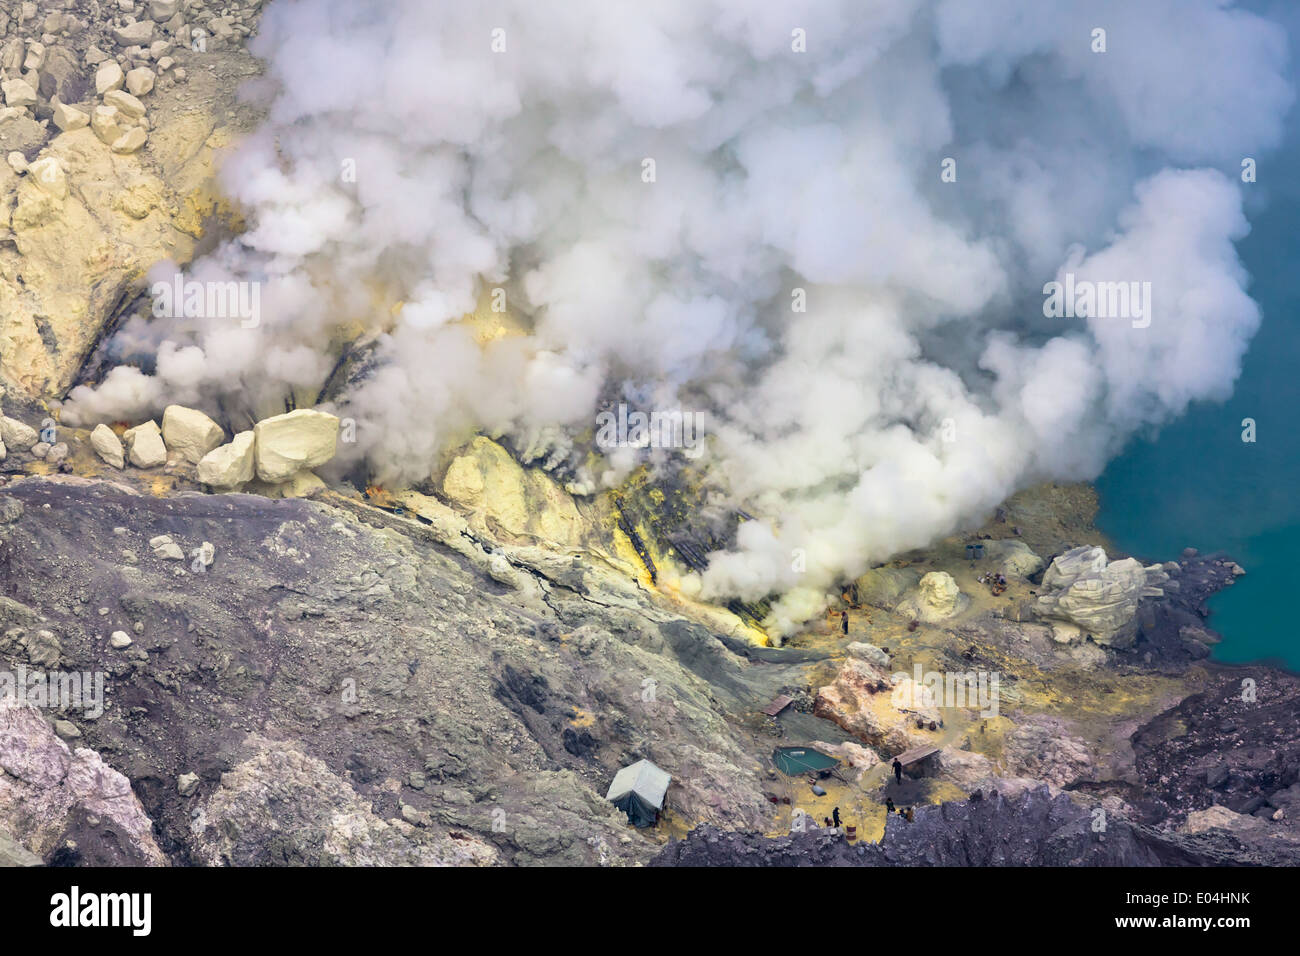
<point>799,760</point>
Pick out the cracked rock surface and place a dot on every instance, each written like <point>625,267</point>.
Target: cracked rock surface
<point>396,699</point>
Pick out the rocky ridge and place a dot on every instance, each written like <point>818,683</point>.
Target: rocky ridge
<point>454,677</point>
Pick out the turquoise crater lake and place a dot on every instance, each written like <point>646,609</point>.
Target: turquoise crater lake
<point>1197,484</point>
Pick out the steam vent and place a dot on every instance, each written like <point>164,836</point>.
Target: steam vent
<point>605,435</point>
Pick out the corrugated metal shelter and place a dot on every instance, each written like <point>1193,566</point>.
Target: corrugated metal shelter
<point>639,790</point>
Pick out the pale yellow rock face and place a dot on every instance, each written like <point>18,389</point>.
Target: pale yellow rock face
<point>49,177</point>
<point>190,432</point>
<point>1219,817</point>
<point>522,503</point>
<point>297,441</point>
<point>79,255</point>
<point>230,465</point>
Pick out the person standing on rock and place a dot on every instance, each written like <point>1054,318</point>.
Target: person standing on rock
<point>844,622</point>
<point>835,816</point>
<point>898,771</point>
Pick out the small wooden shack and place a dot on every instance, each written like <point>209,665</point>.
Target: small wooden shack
<point>777,705</point>
<point>916,762</point>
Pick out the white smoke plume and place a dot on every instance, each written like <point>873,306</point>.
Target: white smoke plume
<point>796,145</point>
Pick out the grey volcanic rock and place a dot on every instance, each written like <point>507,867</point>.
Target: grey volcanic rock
<point>1172,628</point>
<point>334,652</point>
<point>1236,745</point>
<point>1034,828</point>
<point>345,685</point>
<point>67,804</point>
<point>281,807</point>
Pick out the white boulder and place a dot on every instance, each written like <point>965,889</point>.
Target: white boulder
<point>139,81</point>
<point>231,465</point>
<point>109,124</point>
<point>68,118</point>
<point>144,445</point>
<point>130,141</point>
<point>139,33</point>
<point>18,93</point>
<point>1013,558</point>
<point>294,442</point>
<point>1098,596</point>
<point>109,76</point>
<point>164,547</point>
<point>108,446</point>
<point>126,104</point>
<point>190,432</point>
<point>17,435</point>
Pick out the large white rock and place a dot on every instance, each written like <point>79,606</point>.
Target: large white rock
<point>130,141</point>
<point>126,104</point>
<point>1074,564</point>
<point>109,77</point>
<point>139,81</point>
<point>230,465</point>
<point>18,93</point>
<point>1100,597</point>
<point>144,445</point>
<point>108,446</point>
<point>17,436</point>
<point>109,124</point>
<point>139,33</point>
<point>190,432</point>
<point>297,441</point>
<point>35,58</point>
<point>67,117</point>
